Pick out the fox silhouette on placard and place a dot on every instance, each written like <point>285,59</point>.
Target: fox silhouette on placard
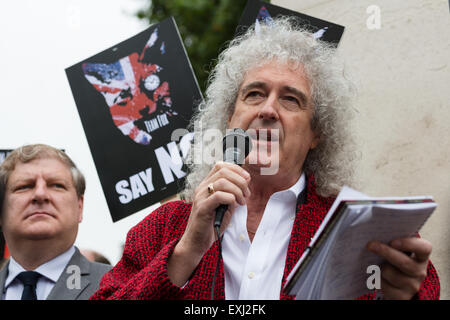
<point>136,90</point>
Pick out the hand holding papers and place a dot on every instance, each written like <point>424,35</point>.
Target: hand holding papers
<point>335,264</point>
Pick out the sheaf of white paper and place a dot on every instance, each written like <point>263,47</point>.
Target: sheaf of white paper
<point>344,274</point>
<point>347,275</point>
<point>346,193</point>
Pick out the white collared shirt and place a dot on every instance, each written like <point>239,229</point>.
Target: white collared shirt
<point>50,273</point>
<point>254,270</point>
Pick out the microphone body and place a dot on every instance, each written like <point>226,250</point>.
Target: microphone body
<point>220,212</point>
<point>236,147</point>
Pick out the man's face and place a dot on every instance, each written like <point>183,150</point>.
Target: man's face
<point>41,203</point>
<point>276,98</point>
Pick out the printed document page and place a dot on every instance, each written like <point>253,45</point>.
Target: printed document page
<point>337,269</point>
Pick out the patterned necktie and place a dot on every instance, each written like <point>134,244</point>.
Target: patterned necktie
<point>29,280</point>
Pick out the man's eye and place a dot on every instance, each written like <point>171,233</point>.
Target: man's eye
<point>291,102</point>
<point>254,95</point>
<point>59,186</point>
<point>23,187</point>
<point>291,99</point>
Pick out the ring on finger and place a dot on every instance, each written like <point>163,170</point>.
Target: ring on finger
<point>210,188</point>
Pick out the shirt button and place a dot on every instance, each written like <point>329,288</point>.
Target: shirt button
<point>251,275</point>
<point>241,237</point>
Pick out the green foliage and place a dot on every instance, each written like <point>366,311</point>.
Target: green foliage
<point>205,27</point>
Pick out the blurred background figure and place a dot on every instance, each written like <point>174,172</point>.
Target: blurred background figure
<point>94,256</point>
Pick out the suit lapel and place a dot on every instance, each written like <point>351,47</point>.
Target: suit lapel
<point>3,275</point>
<point>73,280</point>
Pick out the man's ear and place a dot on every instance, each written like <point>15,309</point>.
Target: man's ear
<point>315,142</point>
<point>80,208</point>
<point>317,135</point>
<point>229,118</point>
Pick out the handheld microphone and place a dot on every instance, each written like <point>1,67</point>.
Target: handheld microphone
<point>236,147</point>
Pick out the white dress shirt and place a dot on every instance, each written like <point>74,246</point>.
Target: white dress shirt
<point>254,270</point>
<point>50,273</point>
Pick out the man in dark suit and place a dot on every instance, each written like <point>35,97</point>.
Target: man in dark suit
<point>43,193</point>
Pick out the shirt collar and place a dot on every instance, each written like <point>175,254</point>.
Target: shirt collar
<point>294,190</point>
<point>51,269</point>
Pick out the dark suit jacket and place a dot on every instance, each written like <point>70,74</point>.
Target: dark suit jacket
<point>69,289</point>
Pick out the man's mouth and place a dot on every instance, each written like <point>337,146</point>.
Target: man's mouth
<point>38,213</point>
<point>267,135</point>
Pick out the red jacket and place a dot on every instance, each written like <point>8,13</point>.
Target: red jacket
<point>142,271</point>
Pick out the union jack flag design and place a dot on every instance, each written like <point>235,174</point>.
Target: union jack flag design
<point>135,91</point>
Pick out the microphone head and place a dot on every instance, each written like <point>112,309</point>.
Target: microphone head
<point>236,146</point>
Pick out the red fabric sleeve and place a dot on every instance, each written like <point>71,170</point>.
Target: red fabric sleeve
<point>430,288</point>
<point>142,271</point>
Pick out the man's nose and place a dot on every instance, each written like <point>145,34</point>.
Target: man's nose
<point>269,110</point>
<point>41,193</point>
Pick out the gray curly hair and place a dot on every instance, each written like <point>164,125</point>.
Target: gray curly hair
<point>285,41</point>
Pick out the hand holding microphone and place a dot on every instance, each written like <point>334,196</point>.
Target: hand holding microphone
<point>225,187</point>
<point>236,147</point>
